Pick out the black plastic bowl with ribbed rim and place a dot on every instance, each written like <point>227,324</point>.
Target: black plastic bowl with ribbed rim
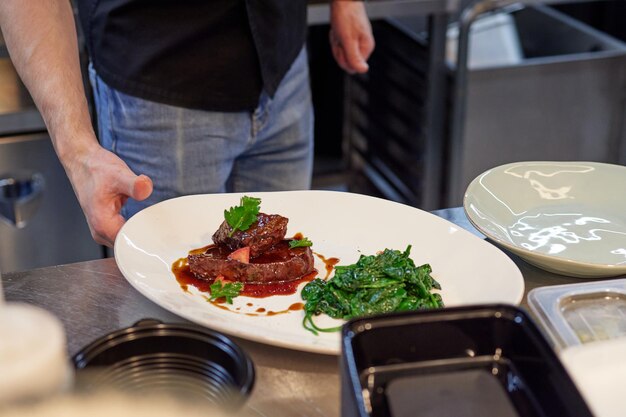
<point>185,360</point>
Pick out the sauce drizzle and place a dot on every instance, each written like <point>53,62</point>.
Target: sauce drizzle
<point>329,264</point>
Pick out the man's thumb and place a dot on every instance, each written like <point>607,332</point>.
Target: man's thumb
<point>142,187</point>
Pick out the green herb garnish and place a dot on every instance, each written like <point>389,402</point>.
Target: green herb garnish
<point>242,216</point>
<point>300,243</point>
<point>376,284</point>
<point>229,290</point>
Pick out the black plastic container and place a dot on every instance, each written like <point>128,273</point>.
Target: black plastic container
<point>464,361</point>
<point>187,361</point>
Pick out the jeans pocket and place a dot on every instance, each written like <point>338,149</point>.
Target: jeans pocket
<point>101,96</point>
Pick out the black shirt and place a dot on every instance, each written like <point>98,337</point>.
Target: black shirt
<point>203,54</point>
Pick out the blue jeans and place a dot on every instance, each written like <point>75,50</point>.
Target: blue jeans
<point>188,151</point>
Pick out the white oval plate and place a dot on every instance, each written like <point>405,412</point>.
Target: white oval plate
<point>342,225</point>
<point>565,217</point>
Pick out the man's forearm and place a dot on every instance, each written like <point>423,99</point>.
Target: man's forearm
<point>41,39</point>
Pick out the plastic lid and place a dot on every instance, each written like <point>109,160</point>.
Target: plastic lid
<point>575,314</point>
<point>33,355</point>
<point>599,371</point>
<point>112,403</point>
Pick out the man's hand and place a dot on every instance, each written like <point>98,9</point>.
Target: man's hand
<point>351,36</point>
<point>41,38</point>
<point>103,183</point>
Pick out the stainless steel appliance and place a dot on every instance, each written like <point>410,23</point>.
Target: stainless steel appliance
<point>41,223</point>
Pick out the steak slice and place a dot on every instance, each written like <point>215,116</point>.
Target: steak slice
<point>278,264</point>
<point>268,230</point>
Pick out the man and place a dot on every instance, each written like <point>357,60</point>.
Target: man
<point>129,90</point>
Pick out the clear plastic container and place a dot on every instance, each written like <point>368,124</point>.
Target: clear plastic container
<point>575,314</point>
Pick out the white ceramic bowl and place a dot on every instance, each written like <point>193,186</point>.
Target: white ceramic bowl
<point>565,217</point>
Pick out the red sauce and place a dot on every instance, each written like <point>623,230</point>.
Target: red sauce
<point>185,278</point>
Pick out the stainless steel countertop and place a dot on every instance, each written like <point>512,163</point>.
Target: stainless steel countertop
<point>93,298</point>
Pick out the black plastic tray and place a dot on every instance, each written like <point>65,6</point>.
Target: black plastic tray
<point>465,361</point>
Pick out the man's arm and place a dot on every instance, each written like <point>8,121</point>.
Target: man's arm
<point>41,39</point>
<point>351,36</point>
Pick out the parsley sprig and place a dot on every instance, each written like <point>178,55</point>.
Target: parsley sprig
<point>228,290</point>
<point>300,243</point>
<point>242,216</point>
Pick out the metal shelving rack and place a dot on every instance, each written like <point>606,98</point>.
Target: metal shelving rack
<point>394,140</point>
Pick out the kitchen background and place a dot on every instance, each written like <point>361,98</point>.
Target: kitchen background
<point>543,83</point>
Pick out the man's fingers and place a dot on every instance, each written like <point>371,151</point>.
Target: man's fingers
<point>105,220</point>
<point>341,58</point>
<point>366,46</point>
<point>142,188</point>
<point>133,186</point>
<point>348,55</point>
<point>337,50</point>
<point>355,60</point>
<point>104,230</point>
<point>351,32</point>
